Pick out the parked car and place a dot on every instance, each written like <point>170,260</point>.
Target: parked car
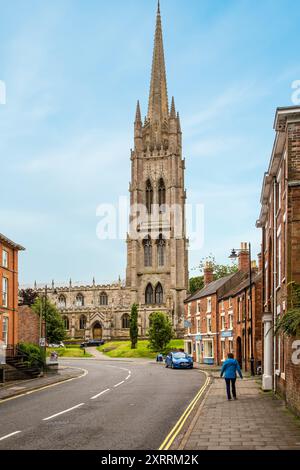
<point>179,360</point>
<point>92,342</point>
<point>56,345</point>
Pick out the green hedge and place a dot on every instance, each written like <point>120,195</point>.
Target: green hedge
<point>34,353</point>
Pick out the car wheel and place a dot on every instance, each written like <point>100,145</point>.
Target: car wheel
<point>172,365</point>
<point>167,366</point>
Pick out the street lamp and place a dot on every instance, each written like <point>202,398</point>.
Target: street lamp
<point>233,256</point>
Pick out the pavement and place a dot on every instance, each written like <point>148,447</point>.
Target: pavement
<point>126,405</point>
<point>256,421</point>
<point>12,389</point>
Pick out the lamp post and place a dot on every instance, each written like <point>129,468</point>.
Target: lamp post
<point>234,255</point>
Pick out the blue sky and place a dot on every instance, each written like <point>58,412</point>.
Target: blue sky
<point>73,71</point>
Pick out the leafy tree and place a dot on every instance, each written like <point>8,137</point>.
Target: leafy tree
<point>134,331</point>
<point>219,270</point>
<point>55,329</point>
<point>27,297</point>
<point>289,323</point>
<point>160,331</point>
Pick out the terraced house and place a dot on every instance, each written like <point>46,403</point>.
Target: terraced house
<point>9,252</point>
<point>280,223</point>
<point>219,319</point>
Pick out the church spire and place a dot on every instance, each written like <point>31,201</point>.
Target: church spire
<point>158,98</point>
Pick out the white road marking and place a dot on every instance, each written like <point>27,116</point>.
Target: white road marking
<point>120,383</point>
<point>9,435</point>
<point>128,377</point>
<point>101,393</point>
<point>62,412</point>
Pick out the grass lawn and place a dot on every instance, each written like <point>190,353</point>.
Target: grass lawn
<point>123,349</point>
<point>69,352</point>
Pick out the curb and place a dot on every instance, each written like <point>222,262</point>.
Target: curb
<point>23,392</point>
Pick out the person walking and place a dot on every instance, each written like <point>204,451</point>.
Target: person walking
<point>229,369</point>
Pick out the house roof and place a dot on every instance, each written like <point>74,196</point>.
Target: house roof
<point>211,288</point>
<point>242,285</point>
<point>10,243</point>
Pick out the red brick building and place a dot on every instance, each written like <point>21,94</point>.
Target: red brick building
<point>217,317</point>
<point>29,325</point>
<point>280,223</point>
<point>9,251</point>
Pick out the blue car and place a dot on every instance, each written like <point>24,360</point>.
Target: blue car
<point>179,360</point>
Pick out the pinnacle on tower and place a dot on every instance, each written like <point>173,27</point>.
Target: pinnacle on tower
<point>173,110</point>
<point>158,109</point>
<point>138,118</point>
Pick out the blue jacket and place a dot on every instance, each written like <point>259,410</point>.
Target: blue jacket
<point>230,367</point>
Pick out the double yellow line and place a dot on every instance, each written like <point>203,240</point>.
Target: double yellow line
<point>179,425</point>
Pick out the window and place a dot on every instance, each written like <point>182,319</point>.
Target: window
<point>208,324</point>
<point>161,245</point>
<point>126,321</point>
<point>222,306</point>
<point>189,310</point>
<point>240,309</point>
<point>79,300</point>
<point>147,252</point>
<point>82,322</point>
<point>159,294</point>
<point>230,317</point>
<point>230,302</point>
<point>149,196</point>
<point>278,260</point>
<point>66,322</point>
<point>223,350</point>
<point>103,298</point>
<point>61,301</point>
<point>4,292</point>
<point>149,294</point>
<point>208,304</point>
<point>5,330</point>
<point>230,345</point>
<point>161,195</point>
<point>223,322</point>
<point>208,349</point>
<point>198,306</point>
<point>198,326</point>
<point>4,258</point>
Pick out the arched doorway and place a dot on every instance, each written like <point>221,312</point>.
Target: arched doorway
<point>239,356</point>
<point>97,330</point>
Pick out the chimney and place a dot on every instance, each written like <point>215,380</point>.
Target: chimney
<point>260,266</point>
<point>244,258</point>
<point>208,273</point>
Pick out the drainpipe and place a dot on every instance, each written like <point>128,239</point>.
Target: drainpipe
<point>274,280</point>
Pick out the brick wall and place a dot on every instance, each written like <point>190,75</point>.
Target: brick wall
<point>28,325</point>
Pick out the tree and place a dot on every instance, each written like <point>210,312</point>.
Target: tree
<point>27,297</point>
<point>55,329</point>
<point>134,331</point>
<point>219,270</point>
<point>160,331</point>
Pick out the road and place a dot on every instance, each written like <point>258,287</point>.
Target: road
<point>115,406</point>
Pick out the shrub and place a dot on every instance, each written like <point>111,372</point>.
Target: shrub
<point>34,354</point>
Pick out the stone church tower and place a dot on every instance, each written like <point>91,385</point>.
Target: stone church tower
<point>157,273</point>
<point>157,261</point>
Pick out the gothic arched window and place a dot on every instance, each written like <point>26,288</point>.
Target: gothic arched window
<point>126,321</point>
<point>103,299</point>
<point>149,196</point>
<point>159,295</point>
<point>82,322</point>
<point>66,323</point>
<point>62,301</point>
<point>147,251</point>
<point>149,295</point>
<point>161,248</point>
<point>79,300</point>
<point>161,195</point>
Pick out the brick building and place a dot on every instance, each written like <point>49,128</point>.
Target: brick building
<point>280,223</point>
<point>29,325</point>
<point>217,317</point>
<point>9,251</point>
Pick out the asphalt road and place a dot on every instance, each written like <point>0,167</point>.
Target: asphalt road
<point>116,406</point>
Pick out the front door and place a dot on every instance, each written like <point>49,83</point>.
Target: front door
<point>239,357</point>
<point>97,331</point>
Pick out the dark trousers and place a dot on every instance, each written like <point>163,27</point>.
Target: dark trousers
<point>232,382</point>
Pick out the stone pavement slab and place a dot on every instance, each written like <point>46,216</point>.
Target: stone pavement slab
<point>255,421</point>
<point>19,387</point>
